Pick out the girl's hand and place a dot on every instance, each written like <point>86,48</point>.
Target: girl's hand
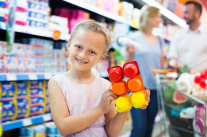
<point>147,91</point>
<point>105,103</point>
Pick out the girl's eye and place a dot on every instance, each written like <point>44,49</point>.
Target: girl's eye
<point>92,52</point>
<point>78,47</point>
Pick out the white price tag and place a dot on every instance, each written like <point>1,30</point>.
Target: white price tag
<point>27,122</point>
<point>48,76</point>
<point>11,77</point>
<point>47,117</point>
<point>32,76</point>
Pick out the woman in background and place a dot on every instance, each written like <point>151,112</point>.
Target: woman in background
<point>149,56</point>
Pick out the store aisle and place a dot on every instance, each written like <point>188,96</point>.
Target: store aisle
<point>157,132</point>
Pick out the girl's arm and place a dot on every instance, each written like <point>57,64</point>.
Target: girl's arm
<point>65,123</point>
<point>115,121</point>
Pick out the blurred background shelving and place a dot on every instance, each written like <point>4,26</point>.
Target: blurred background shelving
<point>39,50</point>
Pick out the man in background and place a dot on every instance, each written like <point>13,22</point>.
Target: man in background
<point>189,46</point>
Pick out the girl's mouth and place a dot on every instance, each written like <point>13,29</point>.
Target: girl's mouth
<point>80,61</point>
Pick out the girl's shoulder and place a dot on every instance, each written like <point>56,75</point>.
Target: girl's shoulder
<point>62,80</point>
<point>59,78</point>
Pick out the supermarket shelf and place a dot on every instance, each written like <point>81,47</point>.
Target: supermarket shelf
<point>26,122</point>
<point>99,11</point>
<point>171,16</point>
<point>34,31</point>
<point>26,76</point>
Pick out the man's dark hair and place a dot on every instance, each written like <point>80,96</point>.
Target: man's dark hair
<point>197,5</point>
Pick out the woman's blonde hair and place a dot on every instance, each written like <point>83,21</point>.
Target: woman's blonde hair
<point>145,20</point>
<point>93,26</point>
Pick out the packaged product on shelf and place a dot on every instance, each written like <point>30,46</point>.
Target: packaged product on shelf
<point>36,92</point>
<point>112,61</point>
<point>66,13</point>
<point>3,11</point>
<point>59,23</point>
<point>21,5</point>
<point>110,6</point>
<point>27,132</point>
<point>10,62</point>
<point>6,3</point>
<point>36,41</point>
<point>1,65</point>
<point>120,9</point>
<point>16,61</point>
<point>21,18</point>
<point>99,4</point>
<point>135,18</point>
<point>22,89</point>
<point>51,130</point>
<point>36,110</point>
<point>200,120</point>
<point>59,60</point>
<point>37,101</point>
<point>7,90</point>
<point>33,131</point>
<point>21,15</point>
<point>8,111</point>
<point>1,109</point>
<point>2,3</point>
<point>44,55</point>
<point>35,22</point>
<point>39,56</point>
<point>2,48</point>
<point>36,88</point>
<point>36,84</point>
<point>24,62</point>
<point>2,14</point>
<point>73,16</point>
<point>38,13</point>
<point>22,108</point>
<point>128,11</point>
<point>77,16</point>
<point>40,131</point>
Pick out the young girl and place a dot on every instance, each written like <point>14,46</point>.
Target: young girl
<point>82,104</point>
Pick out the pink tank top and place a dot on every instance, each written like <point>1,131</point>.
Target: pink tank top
<point>81,98</point>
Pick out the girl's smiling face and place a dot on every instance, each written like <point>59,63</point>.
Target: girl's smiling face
<point>86,49</point>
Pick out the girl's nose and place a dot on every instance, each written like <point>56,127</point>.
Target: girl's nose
<point>83,54</point>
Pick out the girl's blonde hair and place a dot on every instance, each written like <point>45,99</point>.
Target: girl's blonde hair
<point>145,20</point>
<point>93,26</point>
